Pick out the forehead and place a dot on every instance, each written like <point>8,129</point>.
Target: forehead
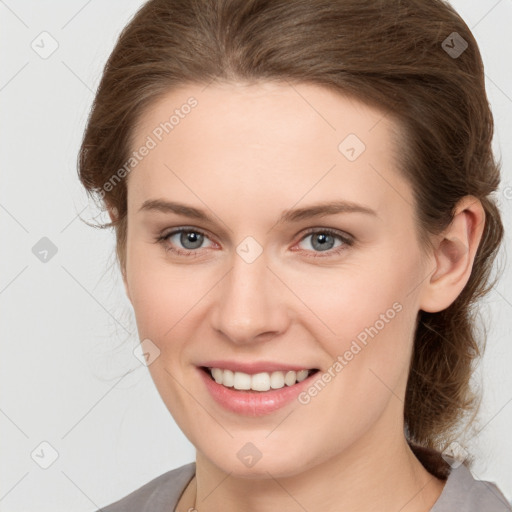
<point>253,138</point>
<point>253,112</point>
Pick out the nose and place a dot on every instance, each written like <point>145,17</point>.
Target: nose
<point>250,303</point>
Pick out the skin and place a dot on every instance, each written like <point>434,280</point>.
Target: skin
<point>245,154</point>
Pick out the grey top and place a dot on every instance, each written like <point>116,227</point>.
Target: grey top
<point>461,493</point>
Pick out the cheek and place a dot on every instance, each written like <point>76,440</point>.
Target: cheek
<point>342,301</point>
<point>364,316</point>
<point>354,301</point>
<point>161,293</point>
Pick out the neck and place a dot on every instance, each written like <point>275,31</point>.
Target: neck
<point>384,477</point>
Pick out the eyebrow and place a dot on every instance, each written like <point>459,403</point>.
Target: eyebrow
<point>287,216</point>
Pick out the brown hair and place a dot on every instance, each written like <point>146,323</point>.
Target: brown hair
<point>386,53</point>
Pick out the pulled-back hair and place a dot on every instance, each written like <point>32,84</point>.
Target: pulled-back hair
<point>389,54</point>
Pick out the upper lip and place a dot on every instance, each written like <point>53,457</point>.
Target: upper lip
<point>254,367</point>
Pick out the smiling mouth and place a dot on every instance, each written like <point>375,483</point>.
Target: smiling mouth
<point>311,372</point>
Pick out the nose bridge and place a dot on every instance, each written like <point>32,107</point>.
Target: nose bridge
<point>248,303</point>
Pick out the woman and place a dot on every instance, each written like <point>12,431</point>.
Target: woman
<point>301,195</point>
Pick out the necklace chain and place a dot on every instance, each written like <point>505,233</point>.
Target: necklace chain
<point>187,491</point>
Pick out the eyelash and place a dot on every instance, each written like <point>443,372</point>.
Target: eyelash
<point>347,241</point>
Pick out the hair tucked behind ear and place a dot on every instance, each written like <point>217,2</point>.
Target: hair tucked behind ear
<point>386,53</point>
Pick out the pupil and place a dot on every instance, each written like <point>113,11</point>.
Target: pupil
<point>191,237</point>
<point>322,240</point>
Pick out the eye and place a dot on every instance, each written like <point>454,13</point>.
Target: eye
<point>322,240</point>
<point>192,239</point>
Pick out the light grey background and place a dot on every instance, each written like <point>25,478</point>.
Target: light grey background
<point>68,330</point>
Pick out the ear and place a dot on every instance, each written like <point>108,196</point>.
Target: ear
<point>454,254</point>
<point>113,214</point>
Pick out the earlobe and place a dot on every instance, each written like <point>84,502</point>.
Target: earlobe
<point>454,256</point>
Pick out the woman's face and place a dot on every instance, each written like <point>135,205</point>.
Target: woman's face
<point>255,286</point>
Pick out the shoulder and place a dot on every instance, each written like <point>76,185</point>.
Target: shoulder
<point>160,494</point>
<point>461,491</point>
<point>465,494</point>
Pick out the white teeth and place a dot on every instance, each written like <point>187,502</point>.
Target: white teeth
<point>259,381</point>
<point>291,377</point>
<point>242,381</point>
<point>302,374</point>
<point>277,380</point>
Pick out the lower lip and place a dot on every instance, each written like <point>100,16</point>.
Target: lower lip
<point>255,403</point>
